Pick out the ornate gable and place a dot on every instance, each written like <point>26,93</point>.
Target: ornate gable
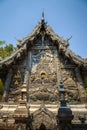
<point>35,68</point>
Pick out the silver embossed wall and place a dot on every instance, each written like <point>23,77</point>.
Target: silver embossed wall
<point>43,79</point>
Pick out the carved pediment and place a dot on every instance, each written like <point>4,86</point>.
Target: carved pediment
<point>44,117</point>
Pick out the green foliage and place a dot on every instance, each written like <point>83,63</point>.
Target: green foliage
<point>6,50</point>
<point>1,87</point>
<point>2,43</point>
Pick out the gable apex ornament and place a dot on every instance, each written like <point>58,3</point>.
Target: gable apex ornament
<point>43,14</point>
<point>43,25</point>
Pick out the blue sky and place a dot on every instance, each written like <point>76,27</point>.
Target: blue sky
<point>67,18</point>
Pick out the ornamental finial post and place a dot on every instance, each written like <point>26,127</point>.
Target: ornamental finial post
<point>43,14</point>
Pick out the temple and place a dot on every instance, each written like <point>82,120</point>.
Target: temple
<point>34,95</point>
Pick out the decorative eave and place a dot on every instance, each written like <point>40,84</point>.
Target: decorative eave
<point>58,41</point>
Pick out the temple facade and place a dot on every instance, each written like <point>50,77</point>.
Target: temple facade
<point>31,77</point>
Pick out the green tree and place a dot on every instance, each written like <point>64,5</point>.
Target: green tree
<point>6,50</point>
<point>2,43</point>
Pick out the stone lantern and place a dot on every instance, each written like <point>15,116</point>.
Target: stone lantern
<point>64,116</point>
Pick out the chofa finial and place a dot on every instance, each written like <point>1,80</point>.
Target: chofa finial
<point>43,15</point>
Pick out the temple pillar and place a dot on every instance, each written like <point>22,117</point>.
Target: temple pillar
<point>26,77</point>
<point>6,86</point>
<point>27,74</point>
<point>80,85</point>
<point>29,60</point>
